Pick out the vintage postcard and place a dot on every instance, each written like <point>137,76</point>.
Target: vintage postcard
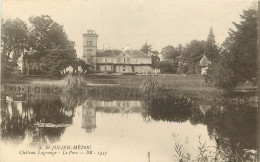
<point>129,81</point>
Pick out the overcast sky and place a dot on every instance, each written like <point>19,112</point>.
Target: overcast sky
<point>121,23</point>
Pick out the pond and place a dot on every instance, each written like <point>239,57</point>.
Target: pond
<point>122,127</point>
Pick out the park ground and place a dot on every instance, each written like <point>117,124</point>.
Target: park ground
<point>168,81</point>
<point>190,85</point>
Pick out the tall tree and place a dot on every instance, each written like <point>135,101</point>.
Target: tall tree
<point>46,33</point>
<point>51,49</point>
<point>56,60</point>
<point>192,54</point>
<point>170,53</point>
<point>211,49</point>
<point>14,43</point>
<point>179,48</point>
<point>146,48</point>
<point>239,54</point>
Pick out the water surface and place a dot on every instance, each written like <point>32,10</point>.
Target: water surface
<point>119,129</point>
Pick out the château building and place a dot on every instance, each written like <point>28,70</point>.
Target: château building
<point>115,61</point>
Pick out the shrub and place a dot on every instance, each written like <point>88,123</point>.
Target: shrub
<point>75,84</point>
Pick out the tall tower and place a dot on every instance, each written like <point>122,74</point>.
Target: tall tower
<point>89,46</point>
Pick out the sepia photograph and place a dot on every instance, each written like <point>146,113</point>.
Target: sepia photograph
<point>129,81</point>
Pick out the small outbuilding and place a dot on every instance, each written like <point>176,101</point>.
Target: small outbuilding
<point>204,64</point>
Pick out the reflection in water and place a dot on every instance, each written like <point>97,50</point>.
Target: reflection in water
<point>234,127</point>
<point>168,108</point>
<point>90,106</point>
<point>33,119</point>
<point>88,117</point>
<point>204,108</point>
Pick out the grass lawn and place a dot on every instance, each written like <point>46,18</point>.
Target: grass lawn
<point>193,87</point>
<point>168,81</point>
<point>171,82</point>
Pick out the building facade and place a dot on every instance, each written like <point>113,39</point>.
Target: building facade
<point>115,61</point>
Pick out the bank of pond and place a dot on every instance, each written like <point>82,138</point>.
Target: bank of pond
<point>112,91</point>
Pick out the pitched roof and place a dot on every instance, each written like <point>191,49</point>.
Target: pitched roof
<point>119,53</point>
<point>204,61</point>
<point>108,53</point>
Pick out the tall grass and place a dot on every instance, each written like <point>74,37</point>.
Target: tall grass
<point>151,86</point>
<point>211,153</point>
<point>75,84</point>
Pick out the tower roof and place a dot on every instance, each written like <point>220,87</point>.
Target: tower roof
<point>204,61</point>
<point>90,33</point>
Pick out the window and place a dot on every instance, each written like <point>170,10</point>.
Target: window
<point>128,60</point>
<point>119,60</point>
<point>89,43</point>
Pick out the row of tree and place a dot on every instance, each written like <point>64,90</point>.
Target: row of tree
<point>233,63</point>
<point>43,46</point>
<point>185,59</point>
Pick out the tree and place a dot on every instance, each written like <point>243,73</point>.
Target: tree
<point>238,62</point>
<point>51,50</point>
<point>179,48</point>
<point>211,49</point>
<point>55,60</point>
<point>46,34</point>
<point>155,58</point>
<point>166,66</point>
<point>155,53</point>
<point>14,43</point>
<point>192,54</point>
<point>222,76</point>
<point>170,53</point>
<point>146,48</point>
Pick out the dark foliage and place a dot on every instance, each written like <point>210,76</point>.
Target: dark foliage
<point>238,60</point>
<point>168,107</point>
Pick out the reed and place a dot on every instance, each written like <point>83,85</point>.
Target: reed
<point>151,86</point>
<point>75,84</point>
